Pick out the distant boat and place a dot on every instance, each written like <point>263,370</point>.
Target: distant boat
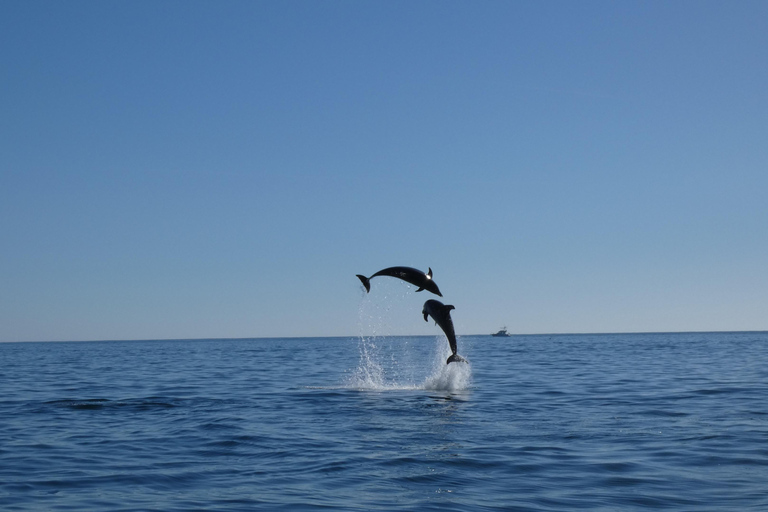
<point>502,333</point>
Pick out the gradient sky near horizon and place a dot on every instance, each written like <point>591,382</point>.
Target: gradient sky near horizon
<point>188,169</point>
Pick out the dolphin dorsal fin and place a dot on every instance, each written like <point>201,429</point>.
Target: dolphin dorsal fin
<point>429,274</point>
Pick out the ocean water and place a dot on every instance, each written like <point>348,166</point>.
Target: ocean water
<point>533,423</point>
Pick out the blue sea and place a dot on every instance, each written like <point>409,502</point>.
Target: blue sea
<point>610,422</point>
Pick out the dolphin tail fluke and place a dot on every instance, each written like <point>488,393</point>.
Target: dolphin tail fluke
<point>366,282</point>
<point>455,358</point>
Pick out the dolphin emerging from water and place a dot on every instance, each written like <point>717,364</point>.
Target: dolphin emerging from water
<point>410,275</point>
<point>442,317</point>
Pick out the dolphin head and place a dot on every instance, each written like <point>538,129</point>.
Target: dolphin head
<point>437,310</point>
<point>427,309</point>
<point>430,285</point>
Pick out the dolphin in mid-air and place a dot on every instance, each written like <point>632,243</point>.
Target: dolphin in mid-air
<point>442,317</point>
<point>409,275</point>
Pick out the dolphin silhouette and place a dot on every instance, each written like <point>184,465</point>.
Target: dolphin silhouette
<point>441,314</point>
<point>410,275</point>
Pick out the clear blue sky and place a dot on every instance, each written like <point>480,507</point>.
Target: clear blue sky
<point>224,169</point>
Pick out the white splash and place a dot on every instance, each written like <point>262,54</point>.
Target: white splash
<point>381,369</point>
<point>450,377</point>
<point>447,377</point>
<point>400,362</point>
<point>369,374</point>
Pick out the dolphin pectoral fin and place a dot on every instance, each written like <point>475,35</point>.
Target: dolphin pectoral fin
<point>420,289</point>
<point>425,316</point>
<point>366,282</point>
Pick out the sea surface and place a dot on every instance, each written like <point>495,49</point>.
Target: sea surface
<point>610,422</point>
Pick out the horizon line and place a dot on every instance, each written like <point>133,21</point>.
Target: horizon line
<point>385,336</point>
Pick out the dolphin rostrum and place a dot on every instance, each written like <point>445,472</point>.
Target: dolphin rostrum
<point>441,314</point>
<point>410,275</point>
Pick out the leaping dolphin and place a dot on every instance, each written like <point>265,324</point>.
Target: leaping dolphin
<point>410,275</point>
<point>442,317</point>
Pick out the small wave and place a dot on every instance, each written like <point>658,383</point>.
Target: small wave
<point>142,404</point>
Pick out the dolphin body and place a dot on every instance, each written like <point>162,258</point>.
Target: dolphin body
<point>410,275</point>
<point>441,314</point>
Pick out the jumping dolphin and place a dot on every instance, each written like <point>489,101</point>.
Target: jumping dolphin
<point>442,317</point>
<point>407,274</point>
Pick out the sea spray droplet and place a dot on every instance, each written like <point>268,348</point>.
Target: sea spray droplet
<point>379,370</point>
<point>450,377</point>
<point>369,374</point>
<point>388,362</point>
<point>447,377</point>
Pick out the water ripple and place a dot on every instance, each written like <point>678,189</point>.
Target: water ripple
<point>599,423</point>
